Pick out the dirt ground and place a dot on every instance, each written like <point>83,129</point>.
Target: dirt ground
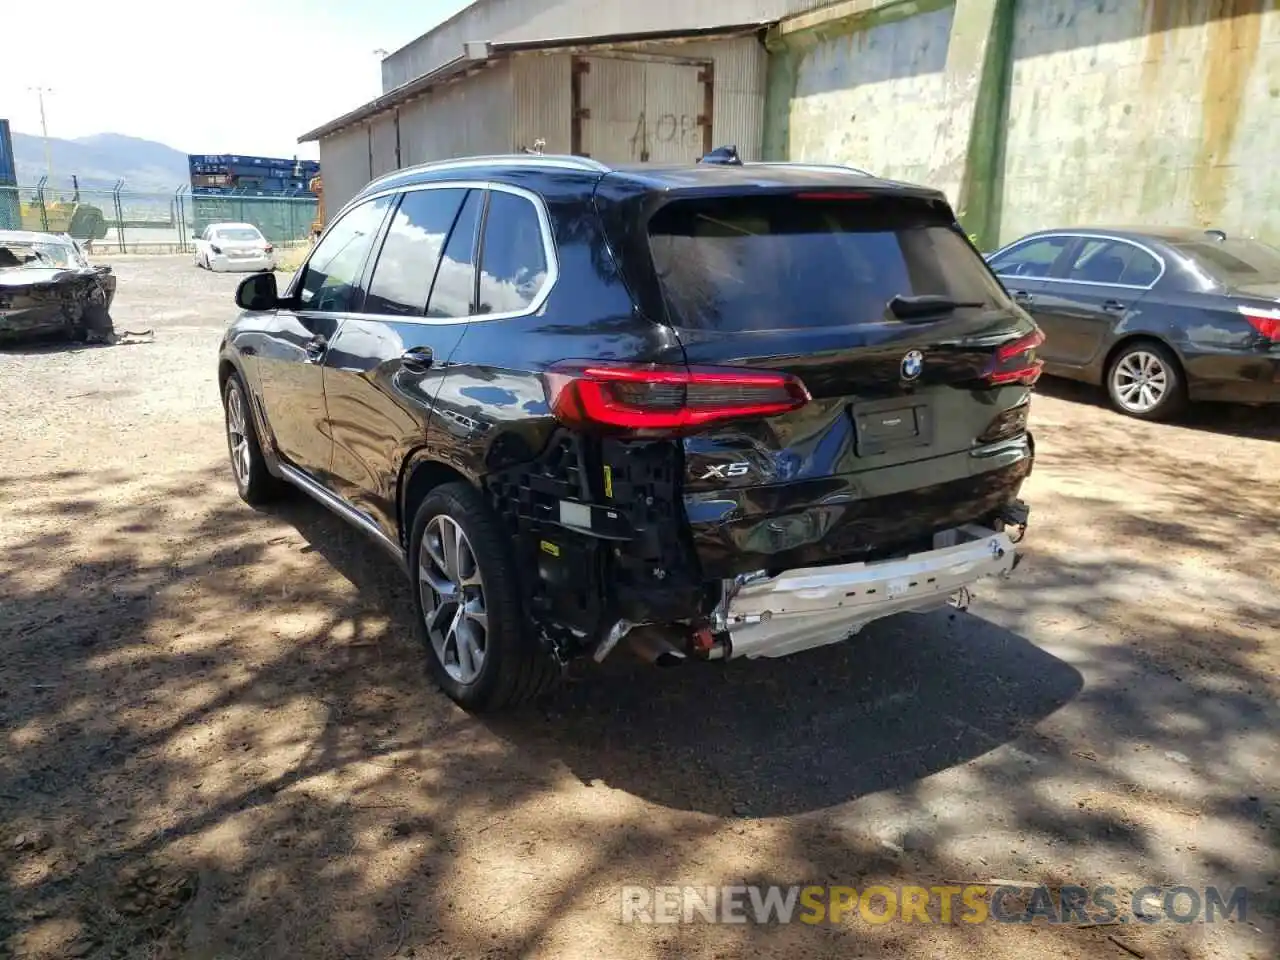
<point>219,740</point>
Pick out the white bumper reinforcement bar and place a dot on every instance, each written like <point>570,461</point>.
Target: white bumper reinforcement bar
<point>800,609</point>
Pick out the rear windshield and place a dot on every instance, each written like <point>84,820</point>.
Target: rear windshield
<point>238,233</point>
<point>1234,262</point>
<point>784,262</point>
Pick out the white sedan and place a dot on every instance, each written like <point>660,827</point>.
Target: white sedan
<point>234,246</point>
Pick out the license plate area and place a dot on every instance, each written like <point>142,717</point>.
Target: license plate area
<point>896,424</point>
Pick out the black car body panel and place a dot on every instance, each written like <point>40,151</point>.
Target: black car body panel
<point>1186,304</point>
<point>374,407</point>
<point>46,286</point>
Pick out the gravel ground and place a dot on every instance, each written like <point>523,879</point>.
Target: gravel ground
<point>219,740</point>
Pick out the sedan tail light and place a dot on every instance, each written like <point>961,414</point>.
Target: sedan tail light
<point>651,397</point>
<point>1016,361</point>
<point>1266,322</point>
<point>268,248</point>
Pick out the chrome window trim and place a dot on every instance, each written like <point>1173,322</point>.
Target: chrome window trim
<point>1084,236</point>
<point>548,249</point>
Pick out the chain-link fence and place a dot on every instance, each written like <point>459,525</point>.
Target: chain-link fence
<point>128,221</point>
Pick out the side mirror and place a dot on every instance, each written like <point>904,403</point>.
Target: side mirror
<point>258,292</point>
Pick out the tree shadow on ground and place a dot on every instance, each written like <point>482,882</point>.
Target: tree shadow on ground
<point>220,742</point>
<point>1230,419</point>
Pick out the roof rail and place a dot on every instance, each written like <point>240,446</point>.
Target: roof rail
<point>843,168</point>
<point>548,161</point>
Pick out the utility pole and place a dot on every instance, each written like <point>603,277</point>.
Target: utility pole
<point>44,132</point>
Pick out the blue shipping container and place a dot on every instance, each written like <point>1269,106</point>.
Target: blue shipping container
<point>10,210</point>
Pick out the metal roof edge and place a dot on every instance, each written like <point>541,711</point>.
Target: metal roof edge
<point>478,53</point>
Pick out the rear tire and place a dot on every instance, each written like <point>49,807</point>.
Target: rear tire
<point>254,481</point>
<point>1145,380</point>
<point>480,647</point>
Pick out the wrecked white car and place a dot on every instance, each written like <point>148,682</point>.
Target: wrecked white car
<point>48,287</point>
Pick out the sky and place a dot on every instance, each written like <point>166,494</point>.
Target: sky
<point>250,81</point>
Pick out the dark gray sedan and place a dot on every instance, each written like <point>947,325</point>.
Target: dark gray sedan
<point>1159,316</point>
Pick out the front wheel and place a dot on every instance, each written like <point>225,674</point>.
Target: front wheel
<point>254,481</point>
<point>479,646</point>
<point>1145,381</point>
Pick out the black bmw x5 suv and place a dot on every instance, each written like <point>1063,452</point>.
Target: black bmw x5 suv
<point>720,410</point>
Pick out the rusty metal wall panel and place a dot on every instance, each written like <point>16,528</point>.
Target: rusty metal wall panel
<point>344,165</point>
<point>740,67</point>
<point>541,90</point>
<point>383,144</point>
<point>613,91</point>
<point>469,117</point>
<point>673,104</point>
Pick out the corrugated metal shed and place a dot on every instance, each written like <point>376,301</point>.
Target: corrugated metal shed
<point>344,165</point>
<point>541,83</point>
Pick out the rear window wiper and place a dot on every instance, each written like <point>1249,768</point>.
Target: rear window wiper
<point>927,305</point>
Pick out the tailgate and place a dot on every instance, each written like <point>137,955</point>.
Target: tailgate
<point>916,422</point>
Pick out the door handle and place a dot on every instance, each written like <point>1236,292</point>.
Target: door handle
<point>417,359</point>
<point>315,348</point>
<point>1021,296</point>
<point>1112,306</point>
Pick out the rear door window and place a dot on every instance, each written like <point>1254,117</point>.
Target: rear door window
<point>411,252</point>
<point>782,262</point>
<point>1113,262</point>
<point>454,294</point>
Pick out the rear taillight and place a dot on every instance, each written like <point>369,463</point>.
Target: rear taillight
<point>1016,361</point>
<point>268,248</point>
<point>666,398</point>
<point>1008,423</point>
<point>1266,322</point>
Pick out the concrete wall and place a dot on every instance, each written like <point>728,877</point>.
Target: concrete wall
<point>1038,113</point>
<point>1173,115</point>
<point>854,92</point>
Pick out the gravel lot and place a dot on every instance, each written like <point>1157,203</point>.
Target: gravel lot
<point>220,742</point>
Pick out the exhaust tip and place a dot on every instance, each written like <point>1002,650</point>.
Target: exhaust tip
<point>655,649</point>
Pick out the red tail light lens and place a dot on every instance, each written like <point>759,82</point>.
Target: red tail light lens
<point>268,248</point>
<point>1266,322</point>
<point>1016,361</point>
<point>666,398</point>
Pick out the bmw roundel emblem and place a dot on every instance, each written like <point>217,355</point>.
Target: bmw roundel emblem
<point>912,365</point>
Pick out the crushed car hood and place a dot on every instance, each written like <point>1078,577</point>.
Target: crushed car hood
<point>36,300</point>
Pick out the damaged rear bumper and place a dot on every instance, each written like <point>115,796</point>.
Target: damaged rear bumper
<point>800,609</point>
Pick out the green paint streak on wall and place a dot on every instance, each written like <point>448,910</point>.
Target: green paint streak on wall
<point>981,188</point>
<point>787,52</point>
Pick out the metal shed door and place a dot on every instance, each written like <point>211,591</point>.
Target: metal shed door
<point>641,111</point>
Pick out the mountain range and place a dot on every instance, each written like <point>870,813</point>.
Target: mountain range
<point>99,161</point>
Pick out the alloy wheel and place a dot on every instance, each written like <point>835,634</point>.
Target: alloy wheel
<point>238,435</point>
<point>453,600</point>
<point>1140,381</point>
